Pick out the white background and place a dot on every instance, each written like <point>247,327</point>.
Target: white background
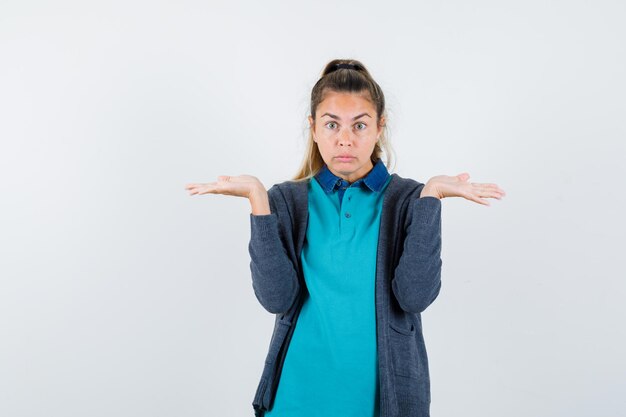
<point>121,295</point>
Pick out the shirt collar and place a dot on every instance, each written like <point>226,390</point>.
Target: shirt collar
<point>374,180</point>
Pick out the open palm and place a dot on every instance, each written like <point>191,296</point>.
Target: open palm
<point>444,186</point>
<point>240,185</point>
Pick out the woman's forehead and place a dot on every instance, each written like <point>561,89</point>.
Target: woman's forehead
<point>346,103</point>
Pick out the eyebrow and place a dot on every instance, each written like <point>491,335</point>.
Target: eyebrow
<point>337,117</point>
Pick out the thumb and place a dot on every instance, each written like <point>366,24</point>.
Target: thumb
<point>463,176</point>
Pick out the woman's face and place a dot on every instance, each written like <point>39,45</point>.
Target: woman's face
<point>346,132</point>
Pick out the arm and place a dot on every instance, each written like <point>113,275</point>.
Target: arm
<point>274,278</point>
<point>417,278</point>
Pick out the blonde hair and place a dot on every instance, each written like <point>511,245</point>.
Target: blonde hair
<point>352,80</point>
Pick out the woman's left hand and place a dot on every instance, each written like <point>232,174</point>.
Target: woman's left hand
<point>442,186</point>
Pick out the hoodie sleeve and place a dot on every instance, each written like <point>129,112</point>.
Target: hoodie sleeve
<point>417,277</point>
<point>274,277</point>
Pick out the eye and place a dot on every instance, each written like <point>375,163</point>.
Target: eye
<point>330,123</point>
<point>363,124</point>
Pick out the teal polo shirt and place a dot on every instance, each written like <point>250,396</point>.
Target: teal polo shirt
<point>331,365</point>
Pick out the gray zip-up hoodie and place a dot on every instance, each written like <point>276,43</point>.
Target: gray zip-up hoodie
<point>408,280</point>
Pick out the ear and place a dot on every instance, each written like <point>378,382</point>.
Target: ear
<point>312,127</point>
<point>381,125</point>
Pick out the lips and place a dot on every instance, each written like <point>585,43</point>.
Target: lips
<point>345,158</point>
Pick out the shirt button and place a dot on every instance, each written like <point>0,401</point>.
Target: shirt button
<point>348,214</point>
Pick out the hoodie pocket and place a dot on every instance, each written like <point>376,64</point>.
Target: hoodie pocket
<point>404,351</point>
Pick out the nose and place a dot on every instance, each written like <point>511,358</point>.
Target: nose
<point>344,138</point>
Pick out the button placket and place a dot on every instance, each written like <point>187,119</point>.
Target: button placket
<point>348,207</point>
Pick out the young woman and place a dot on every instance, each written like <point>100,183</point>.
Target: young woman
<point>347,256</point>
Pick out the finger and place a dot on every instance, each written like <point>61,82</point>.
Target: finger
<point>481,200</point>
<point>196,186</point>
<point>486,192</point>
<point>492,190</point>
<point>221,188</point>
<point>191,190</point>
<point>476,192</point>
<point>492,194</point>
<point>230,178</point>
<point>492,186</point>
<point>478,200</point>
<point>482,185</point>
<point>205,188</point>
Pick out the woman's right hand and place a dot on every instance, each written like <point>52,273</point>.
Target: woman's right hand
<point>240,185</point>
<point>246,186</point>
